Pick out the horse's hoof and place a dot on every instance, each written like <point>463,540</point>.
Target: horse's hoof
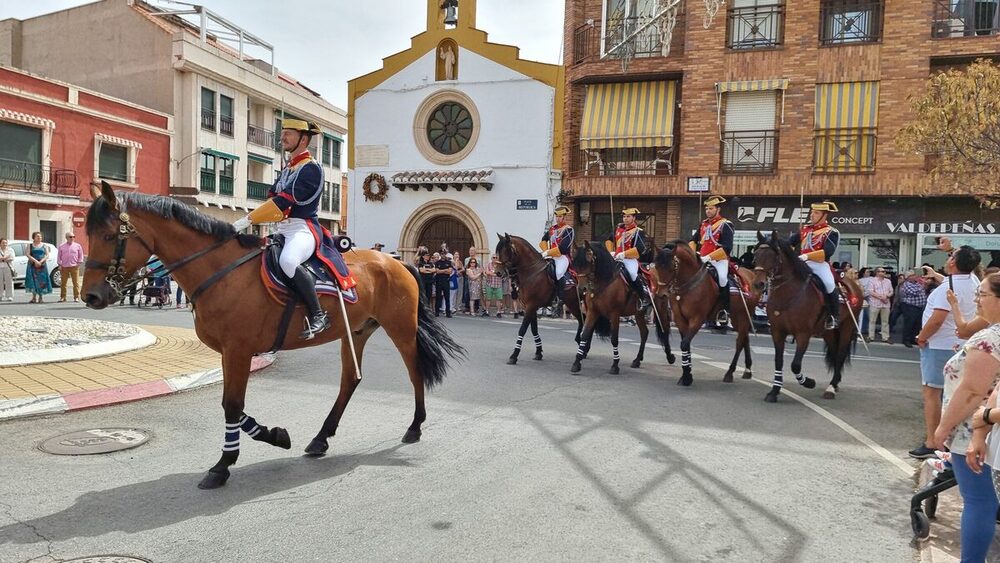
<point>636,364</point>
<point>671,359</point>
<point>747,375</point>
<point>728,378</point>
<point>214,479</point>
<point>685,380</point>
<point>538,356</point>
<point>771,398</point>
<point>575,368</point>
<point>614,370</point>
<point>829,395</point>
<point>809,383</point>
<point>317,448</point>
<point>281,438</point>
<point>411,436</point>
<point>511,361</point>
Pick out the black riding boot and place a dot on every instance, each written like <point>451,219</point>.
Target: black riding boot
<point>639,287</point>
<point>305,286</point>
<point>832,310</point>
<point>722,319</point>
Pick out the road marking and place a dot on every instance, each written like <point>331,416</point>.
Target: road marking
<point>789,350</point>
<point>885,454</point>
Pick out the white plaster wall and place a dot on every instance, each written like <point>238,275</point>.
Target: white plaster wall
<point>515,140</point>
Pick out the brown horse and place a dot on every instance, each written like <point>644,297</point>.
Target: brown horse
<point>237,318</point>
<point>693,295</point>
<point>609,297</point>
<point>524,265</point>
<point>795,306</point>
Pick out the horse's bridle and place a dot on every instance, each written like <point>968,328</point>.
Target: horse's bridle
<point>675,291</point>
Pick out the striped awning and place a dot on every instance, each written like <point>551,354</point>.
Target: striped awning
<point>629,115</point>
<point>260,158</point>
<point>847,105</point>
<point>751,85</point>
<point>220,154</point>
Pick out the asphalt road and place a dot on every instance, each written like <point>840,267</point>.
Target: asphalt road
<point>524,462</point>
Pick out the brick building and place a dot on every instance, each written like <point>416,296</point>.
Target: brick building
<point>773,101</point>
<point>56,138</point>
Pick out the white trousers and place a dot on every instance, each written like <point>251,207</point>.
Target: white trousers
<point>823,272</point>
<point>7,281</point>
<point>721,268</point>
<point>299,244</point>
<point>562,264</point>
<point>632,267</point>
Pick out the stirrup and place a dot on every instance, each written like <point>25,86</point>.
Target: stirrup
<point>722,318</point>
<point>315,325</point>
<point>831,323</point>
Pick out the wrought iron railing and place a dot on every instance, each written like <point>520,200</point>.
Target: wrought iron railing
<point>208,181</point>
<point>226,125</point>
<point>748,152</point>
<point>652,161</point>
<point>19,175</point>
<point>207,119</point>
<point>260,136</point>
<point>257,190</point>
<point>844,150</point>
<point>850,21</point>
<point>756,27</point>
<point>641,41</point>
<point>225,185</point>
<point>965,18</point>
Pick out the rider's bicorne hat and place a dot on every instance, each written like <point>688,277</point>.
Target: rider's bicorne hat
<point>826,206</point>
<point>560,211</point>
<point>715,201</point>
<point>300,125</point>
<point>630,211</point>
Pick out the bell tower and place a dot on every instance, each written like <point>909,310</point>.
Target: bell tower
<point>448,15</point>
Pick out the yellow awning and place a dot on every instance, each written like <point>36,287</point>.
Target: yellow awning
<point>629,115</point>
<point>847,105</point>
<point>752,85</point>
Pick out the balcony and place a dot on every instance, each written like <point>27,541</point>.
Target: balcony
<point>964,18</point>
<point>748,152</point>
<point>226,125</point>
<point>207,119</point>
<point>850,21</point>
<point>208,181</point>
<point>652,161</point>
<point>260,136</point>
<point>844,151</point>
<point>225,185</point>
<point>646,39</point>
<point>18,175</point>
<point>324,200</point>
<point>257,190</point>
<point>755,27</point>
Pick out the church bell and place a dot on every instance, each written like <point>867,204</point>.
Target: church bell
<point>450,12</point>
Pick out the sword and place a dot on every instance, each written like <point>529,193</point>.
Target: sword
<point>850,312</point>
<point>347,327</point>
<point>746,307</point>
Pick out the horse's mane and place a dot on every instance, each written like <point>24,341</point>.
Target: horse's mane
<point>605,267</point>
<point>798,266</point>
<point>665,256</point>
<point>101,214</point>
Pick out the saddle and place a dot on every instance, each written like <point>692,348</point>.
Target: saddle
<point>735,279</point>
<point>326,265</point>
<point>570,274</point>
<point>846,292</point>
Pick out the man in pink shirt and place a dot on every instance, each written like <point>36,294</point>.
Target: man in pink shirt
<point>879,303</point>
<point>69,258</point>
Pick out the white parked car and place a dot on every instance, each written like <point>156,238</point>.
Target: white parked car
<point>21,262</point>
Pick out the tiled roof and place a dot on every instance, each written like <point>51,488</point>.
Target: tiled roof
<point>430,179</point>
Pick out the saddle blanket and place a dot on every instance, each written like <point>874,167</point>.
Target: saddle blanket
<point>736,281</point>
<point>318,265</point>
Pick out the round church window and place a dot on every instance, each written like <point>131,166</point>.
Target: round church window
<point>450,128</point>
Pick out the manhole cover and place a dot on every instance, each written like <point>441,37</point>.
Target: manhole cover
<point>96,441</point>
<point>107,559</point>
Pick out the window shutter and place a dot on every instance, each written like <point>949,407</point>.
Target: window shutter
<point>750,111</point>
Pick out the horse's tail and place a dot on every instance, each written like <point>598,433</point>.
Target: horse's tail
<point>434,342</point>
<point>838,350</point>
<point>602,327</point>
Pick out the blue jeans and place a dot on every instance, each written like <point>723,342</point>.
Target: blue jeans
<point>979,510</point>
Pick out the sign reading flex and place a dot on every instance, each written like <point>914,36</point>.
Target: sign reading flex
<point>773,214</point>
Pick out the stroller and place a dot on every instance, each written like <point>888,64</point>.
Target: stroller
<point>923,504</point>
<point>155,291</point>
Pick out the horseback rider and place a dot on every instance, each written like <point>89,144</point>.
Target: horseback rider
<point>818,244</point>
<point>293,202</point>
<point>716,238</point>
<point>626,245</point>
<point>556,245</point>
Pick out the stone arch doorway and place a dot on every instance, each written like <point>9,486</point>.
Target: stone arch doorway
<point>436,221</point>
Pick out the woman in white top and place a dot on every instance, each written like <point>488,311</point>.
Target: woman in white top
<point>6,271</point>
<point>970,377</point>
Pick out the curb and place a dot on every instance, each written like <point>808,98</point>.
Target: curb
<point>57,404</point>
<point>137,341</point>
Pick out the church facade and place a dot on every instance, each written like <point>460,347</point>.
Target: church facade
<point>453,140</point>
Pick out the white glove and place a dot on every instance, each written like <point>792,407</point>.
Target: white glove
<point>620,256</point>
<point>804,257</point>
<point>548,257</point>
<point>705,259</point>
<point>242,223</point>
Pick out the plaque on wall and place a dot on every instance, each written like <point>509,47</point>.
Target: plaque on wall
<point>371,156</point>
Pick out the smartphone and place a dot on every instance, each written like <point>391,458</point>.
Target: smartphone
<point>951,286</point>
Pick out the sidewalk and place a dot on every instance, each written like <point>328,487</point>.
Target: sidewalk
<point>176,362</point>
<point>944,543</point>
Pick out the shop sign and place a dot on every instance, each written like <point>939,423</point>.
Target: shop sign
<point>527,204</point>
<point>967,228</point>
